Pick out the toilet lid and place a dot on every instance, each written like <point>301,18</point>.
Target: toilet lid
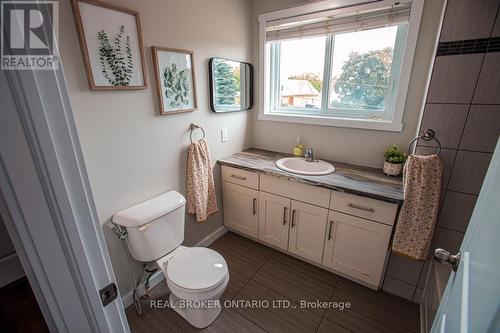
<point>197,268</point>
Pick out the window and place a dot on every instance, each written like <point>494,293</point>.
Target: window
<point>360,79</point>
<point>345,67</point>
<point>300,82</point>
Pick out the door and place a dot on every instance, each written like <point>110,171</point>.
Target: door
<point>274,215</point>
<point>240,209</point>
<point>471,301</point>
<point>356,247</point>
<point>307,230</point>
<point>47,206</point>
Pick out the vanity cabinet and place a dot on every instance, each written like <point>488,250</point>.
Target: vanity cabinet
<point>240,208</point>
<point>344,233</point>
<point>295,190</point>
<point>366,208</point>
<point>356,247</point>
<point>240,177</point>
<point>292,225</point>
<point>274,218</point>
<point>307,230</point>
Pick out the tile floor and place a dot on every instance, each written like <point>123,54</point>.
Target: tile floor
<point>260,273</point>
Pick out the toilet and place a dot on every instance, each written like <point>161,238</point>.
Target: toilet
<point>196,276</point>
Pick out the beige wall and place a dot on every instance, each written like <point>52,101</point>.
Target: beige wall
<point>131,152</point>
<point>355,146</point>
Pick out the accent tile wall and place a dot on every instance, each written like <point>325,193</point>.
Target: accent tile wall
<point>463,108</point>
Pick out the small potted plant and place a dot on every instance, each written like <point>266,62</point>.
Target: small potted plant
<point>394,160</point>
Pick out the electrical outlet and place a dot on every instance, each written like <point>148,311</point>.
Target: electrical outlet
<point>223,135</point>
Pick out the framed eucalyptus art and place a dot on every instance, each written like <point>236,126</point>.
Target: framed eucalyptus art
<point>111,44</point>
<point>174,76</point>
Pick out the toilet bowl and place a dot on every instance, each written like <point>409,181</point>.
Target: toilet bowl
<point>196,276</point>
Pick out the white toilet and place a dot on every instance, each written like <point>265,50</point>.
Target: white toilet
<point>196,276</point>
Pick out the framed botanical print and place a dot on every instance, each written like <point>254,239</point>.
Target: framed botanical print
<point>111,44</point>
<point>175,82</point>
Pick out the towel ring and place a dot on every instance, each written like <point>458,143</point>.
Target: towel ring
<point>194,126</point>
<point>426,135</point>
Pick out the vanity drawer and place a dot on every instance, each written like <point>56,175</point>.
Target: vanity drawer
<point>290,189</point>
<point>367,208</point>
<point>240,177</point>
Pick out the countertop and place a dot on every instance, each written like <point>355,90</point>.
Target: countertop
<point>349,178</point>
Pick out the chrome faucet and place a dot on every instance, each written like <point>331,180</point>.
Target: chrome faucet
<point>309,155</point>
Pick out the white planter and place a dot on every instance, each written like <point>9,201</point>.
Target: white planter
<point>392,169</point>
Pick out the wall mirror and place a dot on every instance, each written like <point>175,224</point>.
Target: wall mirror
<point>231,85</point>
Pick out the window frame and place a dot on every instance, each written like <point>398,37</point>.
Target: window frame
<point>268,112</point>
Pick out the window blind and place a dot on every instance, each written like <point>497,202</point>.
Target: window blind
<point>357,20</point>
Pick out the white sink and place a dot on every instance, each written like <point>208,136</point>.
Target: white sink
<point>300,166</point>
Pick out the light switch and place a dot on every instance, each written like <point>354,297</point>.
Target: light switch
<point>223,135</point>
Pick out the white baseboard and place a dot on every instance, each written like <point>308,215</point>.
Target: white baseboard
<point>157,277</point>
<point>212,237</point>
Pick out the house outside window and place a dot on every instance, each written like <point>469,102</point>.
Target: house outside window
<point>299,93</point>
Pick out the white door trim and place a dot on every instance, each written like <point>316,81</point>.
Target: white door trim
<point>48,205</point>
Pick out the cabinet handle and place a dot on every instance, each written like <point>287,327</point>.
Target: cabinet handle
<point>254,206</point>
<point>366,209</point>
<point>284,215</point>
<point>330,231</point>
<point>293,218</point>
<point>239,177</point>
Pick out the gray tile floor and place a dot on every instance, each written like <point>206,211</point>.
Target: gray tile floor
<point>262,274</point>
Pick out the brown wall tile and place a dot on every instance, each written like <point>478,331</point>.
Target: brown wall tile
<point>496,28</point>
<point>399,288</point>
<point>418,295</point>
<point>488,86</point>
<point>404,269</point>
<point>466,19</point>
<point>425,271</point>
<point>454,78</point>
<point>456,210</point>
<point>469,171</point>
<point>449,240</point>
<point>482,128</point>
<point>447,121</point>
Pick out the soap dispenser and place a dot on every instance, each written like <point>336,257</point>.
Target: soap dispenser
<point>298,150</point>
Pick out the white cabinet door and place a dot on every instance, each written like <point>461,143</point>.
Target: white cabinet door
<point>307,230</point>
<point>274,217</point>
<point>356,247</point>
<point>241,208</point>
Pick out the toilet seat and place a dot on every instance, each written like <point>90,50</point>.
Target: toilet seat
<point>197,269</point>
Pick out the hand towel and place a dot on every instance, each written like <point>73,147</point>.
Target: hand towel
<point>418,215</point>
<point>201,198</point>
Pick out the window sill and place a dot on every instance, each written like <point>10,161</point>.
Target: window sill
<point>330,121</point>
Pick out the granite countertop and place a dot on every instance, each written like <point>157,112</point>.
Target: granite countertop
<point>349,178</point>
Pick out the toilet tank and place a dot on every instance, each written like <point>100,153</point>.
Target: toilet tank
<point>155,227</point>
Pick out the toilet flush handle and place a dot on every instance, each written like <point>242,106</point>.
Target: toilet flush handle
<point>145,227</point>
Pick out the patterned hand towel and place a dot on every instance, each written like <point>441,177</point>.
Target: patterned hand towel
<point>201,198</point>
<point>418,215</point>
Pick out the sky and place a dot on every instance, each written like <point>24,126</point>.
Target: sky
<point>294,52</point>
